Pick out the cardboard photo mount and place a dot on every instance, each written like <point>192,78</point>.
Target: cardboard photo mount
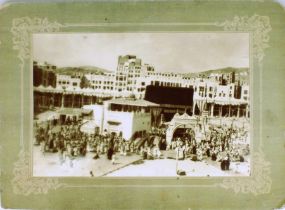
<point>263,189</point>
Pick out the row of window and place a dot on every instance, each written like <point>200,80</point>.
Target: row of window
<point>220,95</point>
<point>133,76</point>
<point>133,71</point>
<point>202,89</point>
<point>121,78</point>
<point>168,84</point>
<point>141,89</point>
<point>101,82</point>
<point>104,87</point>
<point>63,82</point>
<point>211,95</point>
<point>119,89</point>
<point>67,83</point>
<point>211,89</point>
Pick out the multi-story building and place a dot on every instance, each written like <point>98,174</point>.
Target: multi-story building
<point>210,93</point>
<point>220,100</point>
<point>123,116</point>
<point>67,81</point>
<point>245,93</point>
<point>132,77</point>
<point>219,93</point>
<point>104,84</point>
<point>242,78</point>
<point>43,74</point>
<point>130,69</point>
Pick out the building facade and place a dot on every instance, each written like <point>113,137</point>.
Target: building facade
<point>44,74</point>
<point>218,94</point>
<point>123,116</point>
<point>67,81</point>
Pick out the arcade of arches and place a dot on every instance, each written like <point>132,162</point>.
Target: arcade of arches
<point>221,110</point>
<point>45,100</point>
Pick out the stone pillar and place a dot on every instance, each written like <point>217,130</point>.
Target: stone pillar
<point>82,100</point>
<point>229,110</point>
<point>193,108</point>
<point>212,109</point>
<point>88,100</point>
<point>238,112</point>
<point>44,100</point>
<point>220,110</point>
<point>53,99</point>
<point>62,101</point>
<point>40,99</point>
<point>72,98</point>
<point>247,111</point>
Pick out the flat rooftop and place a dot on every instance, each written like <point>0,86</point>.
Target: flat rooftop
<point>132,102</point>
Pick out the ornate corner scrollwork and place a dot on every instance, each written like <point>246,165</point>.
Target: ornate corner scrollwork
<point>258,25</point>
<point>24,184</point>
<point>22,29</point>
<point>259,182</point>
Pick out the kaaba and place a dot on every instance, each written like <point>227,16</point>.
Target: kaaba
<point>169,95</point>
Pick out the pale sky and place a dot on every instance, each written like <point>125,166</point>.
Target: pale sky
<point>167,52</point>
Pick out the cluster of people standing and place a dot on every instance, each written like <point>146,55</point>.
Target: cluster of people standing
<point>65,139</point>
<point>109,144</point>
<point>218,144</point>
<point>68,140</point>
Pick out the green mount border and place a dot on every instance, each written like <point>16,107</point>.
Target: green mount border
<point>22,29</point>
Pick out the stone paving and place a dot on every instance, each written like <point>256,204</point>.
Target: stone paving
<point>167,168</point>
<point>50,165</point>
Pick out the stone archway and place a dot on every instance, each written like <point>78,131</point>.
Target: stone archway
<point>185,127</point>
<point>172,128</point>
<point>177,121</point>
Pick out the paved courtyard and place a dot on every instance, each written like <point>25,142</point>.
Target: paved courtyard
<point>127,166</point>
<point>50,164</point>
<point>167,167</point>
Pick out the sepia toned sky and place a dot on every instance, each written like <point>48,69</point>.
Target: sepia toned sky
<point>167,52</point>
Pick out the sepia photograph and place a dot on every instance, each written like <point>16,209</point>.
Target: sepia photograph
<point>173,105</point>
<point>146,104</point>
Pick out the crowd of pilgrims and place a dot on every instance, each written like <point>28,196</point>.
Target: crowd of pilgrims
<point>218,144</point>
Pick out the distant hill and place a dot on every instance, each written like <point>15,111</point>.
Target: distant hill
<point>219,71</point>
<point>81,69</point>
<point>97,70</point>
<point>227,70</point>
